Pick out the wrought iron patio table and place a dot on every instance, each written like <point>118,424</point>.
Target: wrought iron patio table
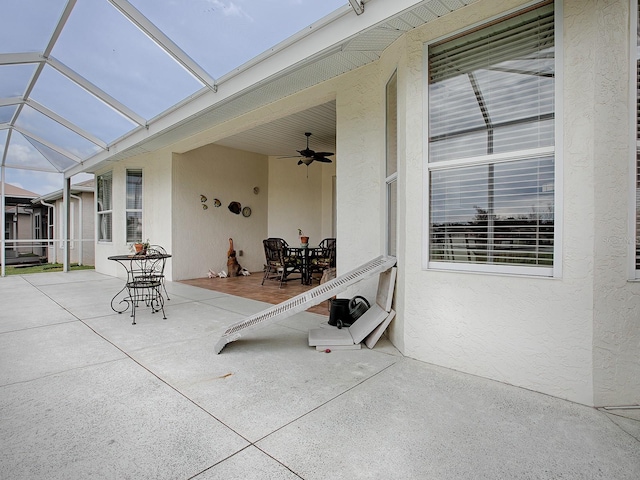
<point>145,273</point>
<point>306,255</point>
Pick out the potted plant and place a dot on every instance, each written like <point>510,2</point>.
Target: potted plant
<point>141,247</point>
<point>304,240</point>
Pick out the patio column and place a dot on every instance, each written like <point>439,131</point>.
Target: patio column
<point>66,207</point>
<point>3,243</point>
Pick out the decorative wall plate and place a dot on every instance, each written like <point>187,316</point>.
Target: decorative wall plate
<point>246,212</point>
<point>235,207</point>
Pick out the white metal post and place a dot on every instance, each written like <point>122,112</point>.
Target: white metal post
<point>3,243</point>
<point>66,202</point>
<point>80,227</point>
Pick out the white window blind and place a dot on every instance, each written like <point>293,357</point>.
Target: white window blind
<point>492,91</point>
<point>104,206</point>
<point>637,239</point>
<point>491,144</point>
<point>392,163</point>
<point>134,206</point>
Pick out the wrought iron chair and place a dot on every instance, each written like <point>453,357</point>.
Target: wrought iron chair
<point>145,276</point>
<point>279,262</point>
<point>324,257</point>
<point>159,273</point>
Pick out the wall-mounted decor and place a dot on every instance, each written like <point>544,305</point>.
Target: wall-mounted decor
<point>204,206</point>
<point>235,207</point>
<point>203,198</point>
<point>256,190</point>
<point>246,212</point>
<point>216,202</point>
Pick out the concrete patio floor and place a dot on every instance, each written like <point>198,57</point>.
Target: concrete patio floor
<point>85,394</point>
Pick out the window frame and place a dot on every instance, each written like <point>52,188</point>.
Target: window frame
<point>104,213</point>
<point>134,210</point>
<point>391,177</point>
<point>556,150</point>
<point>634,141</point>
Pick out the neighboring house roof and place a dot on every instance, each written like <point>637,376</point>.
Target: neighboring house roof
<point>17,196</point>
<point>17,192</point>
<point>88,186</point>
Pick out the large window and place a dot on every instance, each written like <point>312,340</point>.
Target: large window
<point>637,134</point>
<point>134,205</point>
<point>392,164</point>
<point>491,153</point>
<point>105,187</point>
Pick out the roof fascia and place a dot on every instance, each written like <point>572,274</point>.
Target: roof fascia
<point>57,195</point>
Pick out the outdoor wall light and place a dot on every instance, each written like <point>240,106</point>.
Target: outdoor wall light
<point>357,6</point>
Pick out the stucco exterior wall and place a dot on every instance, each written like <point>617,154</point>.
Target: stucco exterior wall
<point>157,214</point>
<point>298,197</point>
<point>574,336</point>
<point>603,44</point>
<point>201,237</point>
<point>526,331</point>
<point>84,241</point>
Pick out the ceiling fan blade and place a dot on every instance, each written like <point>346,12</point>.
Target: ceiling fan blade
<point>292,156</point>
<point>323,154</point>
<point>323,159</point>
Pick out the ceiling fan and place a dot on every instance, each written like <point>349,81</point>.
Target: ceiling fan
<point>307,156</point>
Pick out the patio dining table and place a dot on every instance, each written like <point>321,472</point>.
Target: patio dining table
<point>306,255</point>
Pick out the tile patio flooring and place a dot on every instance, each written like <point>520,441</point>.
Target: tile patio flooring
<point>85,394</point>
<point>250,287</point>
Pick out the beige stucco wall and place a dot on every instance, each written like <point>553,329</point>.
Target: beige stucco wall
<point>531,332</point>
<point>201,237</point>
<point>603,42</point>
<point>300,198</point>
<point>88,230</point>
<point>575,336</point>
<point>157,181</point>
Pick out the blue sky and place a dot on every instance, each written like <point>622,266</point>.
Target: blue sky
<point>103,47</point>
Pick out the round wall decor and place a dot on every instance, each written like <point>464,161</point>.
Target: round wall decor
<point>246,212</point>
<point>235,207</point>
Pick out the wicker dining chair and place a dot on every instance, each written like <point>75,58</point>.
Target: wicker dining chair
<point>279,262</point>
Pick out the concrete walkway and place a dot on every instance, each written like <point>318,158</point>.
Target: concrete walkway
<point>85,394</point>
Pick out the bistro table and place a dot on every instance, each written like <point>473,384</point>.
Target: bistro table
<point>306,255</point>
<point>145,277</point>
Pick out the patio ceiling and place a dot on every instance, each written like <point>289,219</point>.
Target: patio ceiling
<point>63,110</point>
